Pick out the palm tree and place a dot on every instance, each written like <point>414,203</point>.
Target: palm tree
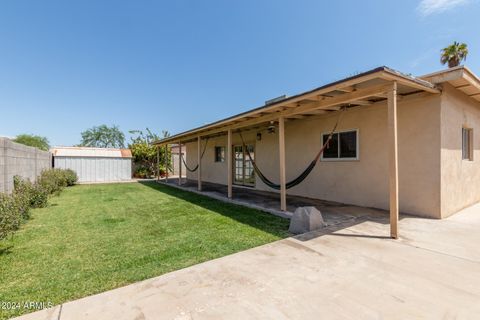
<point>454,54</point>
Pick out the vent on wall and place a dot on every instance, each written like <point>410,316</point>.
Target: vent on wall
<point>277,99</point>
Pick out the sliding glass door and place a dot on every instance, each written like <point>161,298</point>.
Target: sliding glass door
<point>243,172</point>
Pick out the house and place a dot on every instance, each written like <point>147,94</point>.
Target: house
<point>94,165</point>
<point>399,142</point>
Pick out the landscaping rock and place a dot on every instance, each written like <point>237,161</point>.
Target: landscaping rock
<point>306,219</point>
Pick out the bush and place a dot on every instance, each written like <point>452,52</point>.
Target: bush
<point>71,177</point>
<point>21,196</point>
<point>28,195</point>
<point>142,172</point>
<point>53,181</point>
<point>10,217</point>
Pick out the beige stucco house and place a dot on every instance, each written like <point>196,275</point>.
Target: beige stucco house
<point>401,143</point>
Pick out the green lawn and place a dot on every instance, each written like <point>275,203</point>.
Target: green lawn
<point>98,237</point>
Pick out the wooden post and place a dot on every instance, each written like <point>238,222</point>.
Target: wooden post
<point>179,163</point>
<point>158,163</point>
<point>281,156</point>
<point>199,161</point>
<point>229,163</point>
<point>393,159</point>
<point>166,163</point>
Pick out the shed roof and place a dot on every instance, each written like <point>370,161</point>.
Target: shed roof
<point>91,152</point>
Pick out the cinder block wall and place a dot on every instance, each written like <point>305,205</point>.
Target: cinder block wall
<point>19,160</point>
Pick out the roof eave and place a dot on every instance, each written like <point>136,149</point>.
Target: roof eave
<point>383,72</point>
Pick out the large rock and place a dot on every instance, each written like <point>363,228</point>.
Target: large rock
<point>306,219</point>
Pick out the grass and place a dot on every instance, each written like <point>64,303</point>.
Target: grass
<point>94,238</point>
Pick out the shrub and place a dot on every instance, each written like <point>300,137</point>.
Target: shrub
<point>26,195</point>
<point>21,196</point>
<point>29,195</point>
<point>142,172</point>
<point>71,177</point>
<point>53,180</point>
<point>9,215</point>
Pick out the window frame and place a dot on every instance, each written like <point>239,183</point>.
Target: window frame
<point>356,158</point>
<point>469,155</point>
<point>222,159</point>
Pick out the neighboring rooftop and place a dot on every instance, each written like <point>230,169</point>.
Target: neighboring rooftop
<point>91,152</point>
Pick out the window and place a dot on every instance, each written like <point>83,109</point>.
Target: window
<point>219,154</point>
<point>342,146</point>
<point>467,144</point>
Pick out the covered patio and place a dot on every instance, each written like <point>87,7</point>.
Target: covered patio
<point>336,215</point>
<point>375,87</point>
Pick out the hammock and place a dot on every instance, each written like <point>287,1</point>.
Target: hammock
<point>201,157</point>
<point>302,175</point>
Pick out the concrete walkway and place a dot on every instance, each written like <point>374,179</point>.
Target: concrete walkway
<point>432,272</point>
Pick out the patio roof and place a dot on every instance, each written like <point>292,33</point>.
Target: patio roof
<point>363,89</point>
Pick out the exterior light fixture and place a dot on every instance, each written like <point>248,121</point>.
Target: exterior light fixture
<point>271,127</point>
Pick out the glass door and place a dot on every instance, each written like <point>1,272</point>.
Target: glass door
<point>243,172</point>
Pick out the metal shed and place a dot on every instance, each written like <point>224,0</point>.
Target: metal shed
<point>95,164</point>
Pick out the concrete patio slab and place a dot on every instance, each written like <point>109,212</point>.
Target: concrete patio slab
<point>432,272</point>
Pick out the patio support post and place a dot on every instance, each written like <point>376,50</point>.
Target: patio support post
<point>393,159</point>
<point>158,163</point>
<point>179,163</point>
<point>281,150</point>
<point>229,163</point>
<point>166,163</point>
<point>199,159</point>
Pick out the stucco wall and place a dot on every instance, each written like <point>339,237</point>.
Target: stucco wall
<point>460,178</point>
<point>212,171</point>
<point>362,182</point>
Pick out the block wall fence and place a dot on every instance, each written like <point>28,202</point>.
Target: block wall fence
<point>20,160</point>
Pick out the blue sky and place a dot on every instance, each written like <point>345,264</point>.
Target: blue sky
<point>70,65</point>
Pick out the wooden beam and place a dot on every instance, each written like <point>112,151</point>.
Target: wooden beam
<point>362,102</point>
<point>166,163</point>
<point>347,89</point>
<point>281,156</point>
<point>407,82</point>
<point>328,104</point>
<point>393,159</point>
<point>199,159</point>
<point>229,163</point>
<point>158,163</point>
<point>179,164</point>
<point>317,112</point>
<point>298,117</point>
<point>471,80</point>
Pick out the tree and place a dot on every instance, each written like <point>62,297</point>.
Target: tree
<point>145,153</point>
<point>454,54</point>
<point>31,140</point>
<point>103,137</point>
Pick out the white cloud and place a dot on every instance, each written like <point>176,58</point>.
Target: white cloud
<point>428,7</point>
